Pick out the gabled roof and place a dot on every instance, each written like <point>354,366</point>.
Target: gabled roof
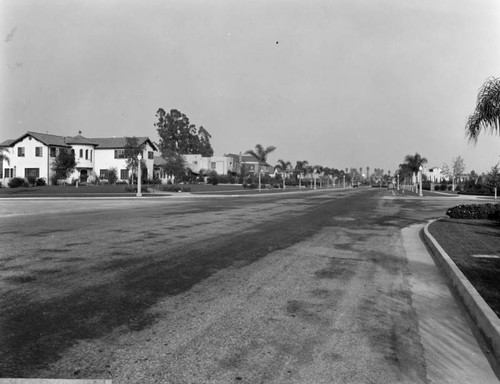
<point>79,140</point>
<point>45,138</point>
<point>118,142</point>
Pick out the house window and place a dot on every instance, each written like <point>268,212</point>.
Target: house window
<point>213,165</point>
<point>32,172</point>
<point>124,174</point>
<point>151,155</point>
<point>20,151</point>
<point>81,153</point>
<point>91,154</point>
<point>53,152</point>
<point>73,152</point>
<point>252,167</point>
<point>195,162</point>
<point>103,174</point>
<point>119,153</point>
<point>9,172</point>
<point>1,173</point>
<point>38,151</point>
<point>86,154</point>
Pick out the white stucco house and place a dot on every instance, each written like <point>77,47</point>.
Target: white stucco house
<point>32,154</point>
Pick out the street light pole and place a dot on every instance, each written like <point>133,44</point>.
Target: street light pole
<point>344,181</point>
<point>398,180</point>
<point>420,180</point>
<point>139,158</point>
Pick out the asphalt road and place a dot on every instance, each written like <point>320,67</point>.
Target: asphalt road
<point>297,288</point>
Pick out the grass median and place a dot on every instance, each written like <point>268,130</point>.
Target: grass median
<point>474,246</point>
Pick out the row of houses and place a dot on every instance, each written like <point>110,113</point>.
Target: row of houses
<point>32,154</point>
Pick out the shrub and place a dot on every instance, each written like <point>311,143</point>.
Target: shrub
<point>437,187</point>
<point>475,211</point>
<point>17,182</point>
<point>443,187</point>
<point>213,178</point>
<point>40,182</point>
<point>250,185</point>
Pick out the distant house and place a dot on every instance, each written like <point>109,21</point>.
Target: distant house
<point>32,155</point>
<point>252,165</point>
<point>434,175</point>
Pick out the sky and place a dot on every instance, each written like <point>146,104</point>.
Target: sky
<point>339,83</point>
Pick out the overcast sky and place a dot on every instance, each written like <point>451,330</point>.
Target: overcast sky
<point>339,83</point>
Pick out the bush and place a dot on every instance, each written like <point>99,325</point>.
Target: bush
<point>17,182</point>
<point>250,185</point>
<point>437,187</point>
<point>40,182</point>
<point>475,211</point>
<point>213,178</point>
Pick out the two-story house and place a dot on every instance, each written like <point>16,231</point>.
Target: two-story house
<point>33,153</point>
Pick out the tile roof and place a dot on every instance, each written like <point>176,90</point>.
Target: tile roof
<point>79,140</point>
<point>47,139</point>
<point>6,143</point>
<point>116,142</point>
<point>65,141</point>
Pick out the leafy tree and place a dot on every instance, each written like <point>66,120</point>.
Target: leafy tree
<point>112,175</point>
<point>179,136</point>
<point>456,169</point>
<point>132,149</point>
<point>487,113</point>
<point>493,177</point>
<point>64,163</point>
<point>283,166</point>
<point>175,164</point>
<point>260,154</point>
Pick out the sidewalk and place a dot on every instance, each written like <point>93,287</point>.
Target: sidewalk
<point>451,350</point>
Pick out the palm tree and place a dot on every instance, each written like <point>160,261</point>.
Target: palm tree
<point>4,157</point>
<point>487,113</point>
<point>412,164</point>
<point>283,166</point>
<point>300,169</point>
<point>260,155</point>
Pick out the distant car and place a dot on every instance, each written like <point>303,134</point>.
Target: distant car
<point>355,185</point>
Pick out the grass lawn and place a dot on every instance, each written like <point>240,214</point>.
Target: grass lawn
<point>464,240</point>
<point>119,190</point>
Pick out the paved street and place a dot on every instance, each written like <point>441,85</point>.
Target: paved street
<point>316,287</point>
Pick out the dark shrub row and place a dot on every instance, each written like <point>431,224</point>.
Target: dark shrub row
<point>475,211</point>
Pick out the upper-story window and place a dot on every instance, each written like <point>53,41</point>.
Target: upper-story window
<point>151,155</point>
<point>213,164</point>
<point>38,151</point>
<point>91,154</point>
<point>86,154</point>
<point>53,152</point>
<point>81,153</point>
<point>20,151</point>
<point>119,153</point>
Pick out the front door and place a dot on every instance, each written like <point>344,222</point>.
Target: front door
<point>83,175</point>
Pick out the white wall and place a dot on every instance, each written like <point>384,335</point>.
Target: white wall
<point>30,160</point>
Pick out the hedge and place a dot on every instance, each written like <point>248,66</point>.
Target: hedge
<point>475,211</point>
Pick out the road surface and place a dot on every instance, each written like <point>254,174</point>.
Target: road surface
<point>297,288</point>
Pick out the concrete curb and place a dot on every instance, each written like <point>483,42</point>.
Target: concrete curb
<point>486,320</point>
